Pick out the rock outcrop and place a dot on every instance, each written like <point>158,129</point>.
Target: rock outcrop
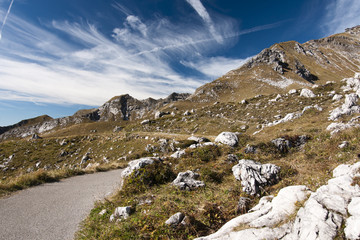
<point>187,181</point>
<point>297,213</point>
<point>134,165</point>
<point>254,176</point>
<point>227,138</point>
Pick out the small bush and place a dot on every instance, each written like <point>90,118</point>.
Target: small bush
<point>154,174</point>
<point>206,153</point>
<point>209,175</point>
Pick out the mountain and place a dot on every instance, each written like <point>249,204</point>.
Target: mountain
<point>118,108</point>
<point>279,135</point>
<point>288,65</point>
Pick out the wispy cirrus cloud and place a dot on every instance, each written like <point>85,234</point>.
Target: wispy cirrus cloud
<point>341,14</point>
<point>140,57</point>
<point>201,10</point>
<point>5,18</point>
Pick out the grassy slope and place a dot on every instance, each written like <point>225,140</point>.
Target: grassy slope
<point>210,207</point>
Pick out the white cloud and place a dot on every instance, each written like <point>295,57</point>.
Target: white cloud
<point>341,14</point>
<point>216,66</point>
<point>5,18</point>
<point>88,67</point>
<point>201,10</point>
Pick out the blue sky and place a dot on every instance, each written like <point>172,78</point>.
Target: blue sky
<point>58,56</point>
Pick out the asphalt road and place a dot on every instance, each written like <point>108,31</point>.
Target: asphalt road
<point>53,211</point>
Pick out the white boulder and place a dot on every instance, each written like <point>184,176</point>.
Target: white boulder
<point>120,213</point>
<point>137,164</point>
<point>254,176</point>
<point>227,138</point>
<point>307,93</point>
<point>187,181</point>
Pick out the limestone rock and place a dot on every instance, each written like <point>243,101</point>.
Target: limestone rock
<point>227,138</point>
<point>187,181</point>
<point>264,220</point>
<point>243,205</point>
<point>307,93</point>
<point>175,219</point>
<point>343,144</point>
<point>178,154</point>
<point>144,122</point>
<point>292,91</point>
<point>282,144</point>
<point>137,164</point>
<point>232,158</point>
<point>250,149</point>
<point>337,97</point>
<point>254,176</point>
<point>120,213</point>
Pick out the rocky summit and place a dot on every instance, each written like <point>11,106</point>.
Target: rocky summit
<point>271,150</point>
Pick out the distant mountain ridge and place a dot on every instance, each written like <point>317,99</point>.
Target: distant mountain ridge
<point>277,69</point>
<point>123,107</point>
<point>288,65</point>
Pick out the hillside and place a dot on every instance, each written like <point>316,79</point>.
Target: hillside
<point>281,130</point>
<point>288,65</point>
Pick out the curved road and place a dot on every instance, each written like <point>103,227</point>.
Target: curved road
<point>54,210</point>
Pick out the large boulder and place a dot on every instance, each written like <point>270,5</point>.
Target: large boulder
<point>187,181</point>
<point>254,176</point>
<point>297,213</point>
<point>227,138</point>
<point>137,164</point>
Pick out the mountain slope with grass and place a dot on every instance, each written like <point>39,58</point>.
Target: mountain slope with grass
<point>284,124</point>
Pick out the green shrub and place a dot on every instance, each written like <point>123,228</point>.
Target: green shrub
<point>143,178</point>
<point>206,153</point>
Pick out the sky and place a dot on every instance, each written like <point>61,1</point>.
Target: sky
<point>59,56</point>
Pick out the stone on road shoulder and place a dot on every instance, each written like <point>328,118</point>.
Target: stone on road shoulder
<point>54,210</point>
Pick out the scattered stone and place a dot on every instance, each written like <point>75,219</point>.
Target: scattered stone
<point>35,137</point>
<point>307,93</point>
<point>163,145</point>
<point>344,144</point>
<point>349,107</point>
<point>178,154</point>
<point>137,164</point>
<point>243,205</point>
<point>232,158</point>
<point>64,153</point>
<point>175,219</point>
<point>144,122</point>
<point>337,97</point>
<point>85,158</point>
<point>276,98</point>
<point>292,91</point>
<point>254,176</point>
<point>244,102</point>
<point>63,142</point>
<point>282,144</point>
<point>117,129</point>
<point>187,113</point>
<point>102,212</point>
<point>250,149</point>
<point>187,181</point>
<point>227,138</point>
<point>198,139</point>
<point>120,213</point>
